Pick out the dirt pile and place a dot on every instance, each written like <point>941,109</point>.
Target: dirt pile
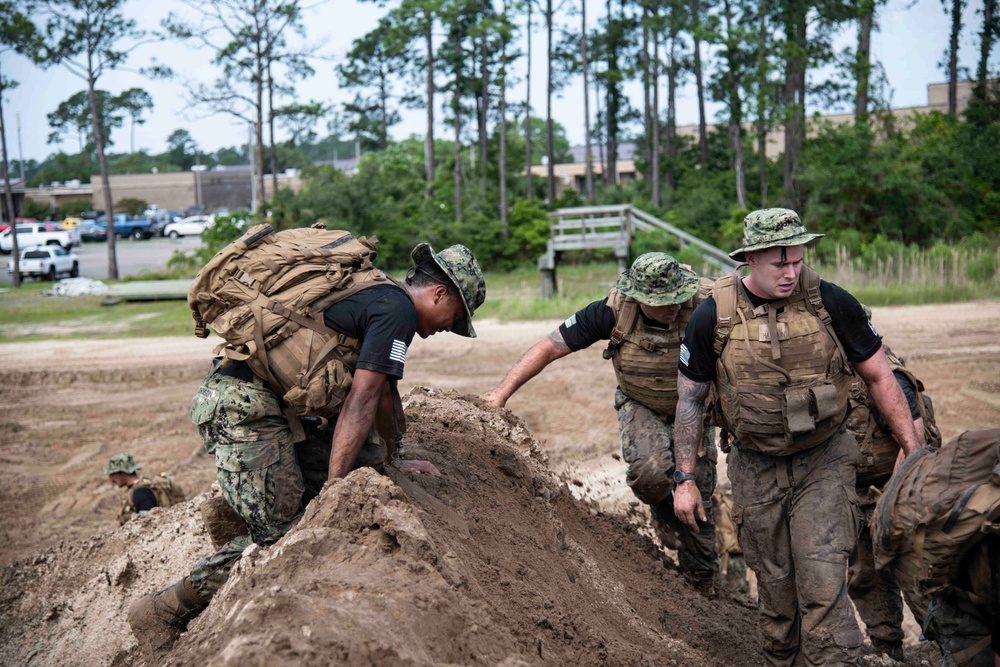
<point>493,563</point>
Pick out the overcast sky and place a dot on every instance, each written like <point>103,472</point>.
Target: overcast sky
<point>910,45</point>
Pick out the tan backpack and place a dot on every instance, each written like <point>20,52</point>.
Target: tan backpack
<point>265,295</point>
<point>936,508</point>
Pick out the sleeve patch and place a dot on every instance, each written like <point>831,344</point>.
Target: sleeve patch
<point>398,351</point>
<point>570,321</point>
<point>685,354</point>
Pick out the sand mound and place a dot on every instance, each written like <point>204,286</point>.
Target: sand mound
<point>494,563</point>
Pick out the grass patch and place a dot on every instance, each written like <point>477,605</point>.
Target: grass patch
<point>26,314</point>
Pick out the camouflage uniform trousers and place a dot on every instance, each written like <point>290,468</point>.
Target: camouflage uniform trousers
<point>875,593</point>
<point>648,450</point>
<point>796,518</point>
<point>266,478</point>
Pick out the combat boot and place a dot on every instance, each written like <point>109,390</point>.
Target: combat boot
<point>158,619</point>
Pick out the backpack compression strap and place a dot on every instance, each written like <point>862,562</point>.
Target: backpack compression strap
<point>626,312</point>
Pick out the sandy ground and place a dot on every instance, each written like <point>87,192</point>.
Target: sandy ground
<point>69,405</point>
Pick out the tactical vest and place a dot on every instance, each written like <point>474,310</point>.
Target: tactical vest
<point>167,493</point>
<point>265,295</point>
<point>645,357</point>
<point>781,377</point>
<point>878,448</point>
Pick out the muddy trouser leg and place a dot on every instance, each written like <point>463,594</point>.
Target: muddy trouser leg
<point>647,448</point>
<point>875,593</point>
<point>961,632</point>
<point>313,457</point>
<point>796,519</point>
<point>257,472</point>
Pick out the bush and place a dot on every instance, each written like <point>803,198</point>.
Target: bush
<point>75,208</point>
<point>131,206</point>
<point>33,209</point>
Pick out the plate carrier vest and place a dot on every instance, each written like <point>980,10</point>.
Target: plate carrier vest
<point>781,377</point>
<point>163,487</point>
<point>645,357</point>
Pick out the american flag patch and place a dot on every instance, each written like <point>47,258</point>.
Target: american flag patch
<point>685,355</point>
<point>398,351</point>
<point>570,321</point>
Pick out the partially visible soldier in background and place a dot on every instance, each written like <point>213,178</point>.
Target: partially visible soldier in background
<point>141,493</point>
<point>644,318</point>
<point>734,566</point>
<point>876,594</point>
<point>937,529</point>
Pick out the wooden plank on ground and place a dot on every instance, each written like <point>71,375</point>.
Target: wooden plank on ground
<point>150,290</point>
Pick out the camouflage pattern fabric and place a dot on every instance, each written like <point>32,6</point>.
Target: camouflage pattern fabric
<point>121,463</point>
<point>241,423</point>
<point>657,279</point>
<point>648,450</point>
<point>770,227</point>
<point>875,593</point>
<point>262,475</point>
<point>796,518</point>
<point>459,264</point>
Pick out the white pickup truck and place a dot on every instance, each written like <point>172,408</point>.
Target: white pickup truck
<point>46,262</point>
<point>39,233</point>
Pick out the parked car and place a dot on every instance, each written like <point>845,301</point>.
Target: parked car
<point>71,222</point>
<point>93,231</point>
<point>190,226</point>
<point>126,227</point>
<point>39,233</point>
<point>47,262</point>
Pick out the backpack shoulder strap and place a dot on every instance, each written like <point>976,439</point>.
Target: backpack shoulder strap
<point>626,312</point>
<point>724,293</point>
<point>809,282</point>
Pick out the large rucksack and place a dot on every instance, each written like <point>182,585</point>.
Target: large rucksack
<point>936,508</point>
<point>265,295</point>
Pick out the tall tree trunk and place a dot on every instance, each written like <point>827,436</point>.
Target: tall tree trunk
<point>429,135</point>
<point>702,130</point>
<point>672,67</point>
<point>528,188</point>
<point>762,103</point>
<point>956,30</point>
<point>795,72</point>
<point>457,171</point>
<point>587,156</point>
<point>599,130</point>
<point>383,105</point>
<point>484,104</point>
<point>646,123</point>
<point>656,116</point>
<point>863,64</point>
<point>986,46</point>
<point>109,209</point>
<point>611,111</point>
<point>735,112</point>
<point>270,131</point>
<point>259,127</point>
<point>503,128</point>
<point>550,172</point>
<point>15,252</point>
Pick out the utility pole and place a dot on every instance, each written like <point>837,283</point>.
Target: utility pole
<point>253,171</point>
<point>20,151</point>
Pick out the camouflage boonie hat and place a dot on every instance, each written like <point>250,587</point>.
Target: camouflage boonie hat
<point>121,463</point>
<point>462,268</point>
<point>770,227</point>
<point>657,279</point>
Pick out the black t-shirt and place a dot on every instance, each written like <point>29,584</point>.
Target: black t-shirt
<point>384,319</point>
<point>144,500</point>
<point>911,401</point>
<point>592,323</point>
<point>857,335</point>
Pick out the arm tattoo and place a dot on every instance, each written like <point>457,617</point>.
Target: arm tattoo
<point>557,341</point>
<point>689,421</point>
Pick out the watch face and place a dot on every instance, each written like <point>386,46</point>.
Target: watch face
<point>681,476</point>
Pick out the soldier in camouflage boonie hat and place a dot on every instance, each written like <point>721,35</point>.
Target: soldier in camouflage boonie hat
<point>770,227</point>
<point>463,270</point>
<point>657,279</point>
<point>121,463</point>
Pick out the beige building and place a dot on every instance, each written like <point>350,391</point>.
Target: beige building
<point>573,174</point>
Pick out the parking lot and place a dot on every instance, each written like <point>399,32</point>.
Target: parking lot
<point>134,257</point>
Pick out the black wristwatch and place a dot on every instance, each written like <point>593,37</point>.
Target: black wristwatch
<point>680,476</point>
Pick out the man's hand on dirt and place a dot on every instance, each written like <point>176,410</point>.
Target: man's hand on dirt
<point>687,505</point>
<point>492,399</point>
<point>415,467</point>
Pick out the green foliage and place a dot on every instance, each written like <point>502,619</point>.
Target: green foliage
<point>132,206</point>
<point>74,208</point>
<point>34,209</point>
<point>225,230</point>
